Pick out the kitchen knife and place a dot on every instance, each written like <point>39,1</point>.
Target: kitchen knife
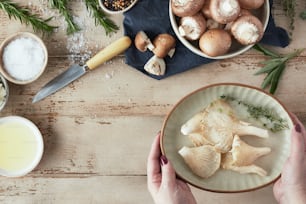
<point>76,71</point>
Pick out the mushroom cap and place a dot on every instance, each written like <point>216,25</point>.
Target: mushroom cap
<point>205,9</point>
<point>142,41</point>
<point>183,8</point>
<point>215,42</point>
<point>224,11</point>
<point>192,27</point>
<point>251,4</point>
<point>247,30</point>
<point>163,43</point>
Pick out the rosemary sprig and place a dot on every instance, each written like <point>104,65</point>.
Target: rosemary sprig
<point>274,66</point>
<point>61,6</point>
<point>100,17</point>
<point>24,16</point>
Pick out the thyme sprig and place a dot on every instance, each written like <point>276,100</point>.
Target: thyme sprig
<point>24,15</point>
<point>265,116</point>
<point>289,8</point>
<point>61,6</point>
<point>274,66</point>
<point>100,17</point>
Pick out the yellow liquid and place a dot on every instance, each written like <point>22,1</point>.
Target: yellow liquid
<point>18,146</point>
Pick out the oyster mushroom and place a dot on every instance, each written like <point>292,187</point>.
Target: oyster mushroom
<point>247,30</point>
<point>224,11</point>
<point>215,42</point>
<point>183,8</point>
<point>251,4</point>
<point>242,156</point>
<point>164,45</point>
<point>192,27</point>
<point>155,66</point>
<point>218,125</point>
<point>204,161</point>
<point>142,42</point>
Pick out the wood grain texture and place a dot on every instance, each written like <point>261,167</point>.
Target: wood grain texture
<point>98,130</point>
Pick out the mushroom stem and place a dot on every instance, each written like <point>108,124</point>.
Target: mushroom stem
<point>155,66</point>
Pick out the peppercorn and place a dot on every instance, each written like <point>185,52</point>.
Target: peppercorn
<point>117,5</point>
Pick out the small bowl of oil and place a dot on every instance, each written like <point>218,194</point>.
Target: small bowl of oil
<point>21,146</point>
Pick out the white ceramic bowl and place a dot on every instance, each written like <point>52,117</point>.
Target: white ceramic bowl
<point>262,13</point>
<point>109,11</point>
<point>6,88</point>
<point>22,146</point>
<point>13,37</point>
<point>227,181</point>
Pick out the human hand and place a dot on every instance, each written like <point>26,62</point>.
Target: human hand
<point>163,185</point>
<point>291,187</point>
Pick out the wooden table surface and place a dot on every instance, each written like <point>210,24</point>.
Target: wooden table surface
<point>98,130</point>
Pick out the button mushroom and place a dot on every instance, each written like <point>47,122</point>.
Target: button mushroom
<point>192,27</point>
<point>205,9</point>
<point>247,30</point>
<point>251,4</point>
<point>224,11</point>
<point>155,66</point>
<point>164,45</point>
<point>183,8</point>
<point>215,42</point>
<point>142,42</point>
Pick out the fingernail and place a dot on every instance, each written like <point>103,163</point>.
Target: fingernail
<point>298,128</point>
<point>163,160</point>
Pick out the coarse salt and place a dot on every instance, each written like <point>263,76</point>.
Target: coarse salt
<point>24,58</point>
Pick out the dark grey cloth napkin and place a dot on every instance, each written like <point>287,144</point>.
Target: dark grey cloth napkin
<point>152,16</point>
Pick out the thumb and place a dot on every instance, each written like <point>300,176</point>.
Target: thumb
<point>168,173</point>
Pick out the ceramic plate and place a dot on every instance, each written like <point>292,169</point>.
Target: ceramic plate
<point>226,180</point>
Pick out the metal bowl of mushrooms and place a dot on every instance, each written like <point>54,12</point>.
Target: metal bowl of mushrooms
<point>219,29</point>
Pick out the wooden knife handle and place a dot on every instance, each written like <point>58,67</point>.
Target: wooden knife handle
<point>109,52</point>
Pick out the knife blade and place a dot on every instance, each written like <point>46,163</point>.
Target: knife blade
<point>76,71</point>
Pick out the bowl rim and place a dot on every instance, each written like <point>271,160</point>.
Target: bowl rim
<point>6,87</point>
<point>198,52</point>
<point>116,12</point>
<point>16,36</point>
<point>204,88</point>
<point>39,139</point>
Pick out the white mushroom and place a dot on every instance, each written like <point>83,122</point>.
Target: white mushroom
<point>211,24</point>
<point>224,11</point>
<point>142,42</point>
<point>205,9</point>
<point>251,4</point>
<point>155,66</point>
<point>183,8</point>
<point>247,30</point>
<point>215,42</point>
<point>164,45</point>
<point>192,27</point>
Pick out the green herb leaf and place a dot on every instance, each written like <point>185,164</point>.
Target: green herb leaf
<point>24,16</point>
<point>274,67</point>
<point>100,17</point>
<point>303,15</point>
<point>265,51</point>
<point>61,6</point>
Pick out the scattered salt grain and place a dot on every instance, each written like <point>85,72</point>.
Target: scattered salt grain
<point>23,58</point>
